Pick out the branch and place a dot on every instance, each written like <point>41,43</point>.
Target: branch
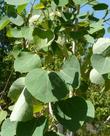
<point>87,3</point>
<point>4,90</point>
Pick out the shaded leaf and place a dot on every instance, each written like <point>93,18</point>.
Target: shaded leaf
<point>34,127</point>
<point>42,38</point>
<point>100,6</point>
<point>71,113</point>
<point>16,88</point>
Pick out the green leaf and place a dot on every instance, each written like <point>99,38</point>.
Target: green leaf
<point>101,45</point>
<point>26,61</point>
<point>89,38</point>
<point>80,2</point>
<point>4,21</point>
<point>16,88</point>
<point>70,71</point>
<point>17,21</point>
<point>24,32</point>
<point>17,2</point>
<point>8,128</point>
<point>33,127</point>
<point>95,27</point>
<point>39,6</point>
<point>14,32</point>
<point>3,115</point>
<point>42,38</point>
<point>21,8</point>
<point>100,6</point>
<point>101,63</point>
<point>96,77</point>
<point>23,110</point>
<point>44,87</point>
<point>71,113</point>
<point>27,32</point>
<point>61,2</point>
<point>90,109</point>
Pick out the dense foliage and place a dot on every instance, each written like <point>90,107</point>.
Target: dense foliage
<point>59,57</point>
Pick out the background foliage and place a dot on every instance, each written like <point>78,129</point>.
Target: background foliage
<point>54,69</point>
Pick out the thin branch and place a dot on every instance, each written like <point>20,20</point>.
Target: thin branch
<point>87,3</point>
<point>4,90</point>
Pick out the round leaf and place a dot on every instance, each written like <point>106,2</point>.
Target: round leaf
<point>101,45</point>
<point>26,61</point>
<point>8,128</point>
<point>101,63</point>
<point>45,88</point>
<point>34,127</point>
<point>17,21</point>
<point>71,113</point>
<point>96,77</point>
<point>70,71</point>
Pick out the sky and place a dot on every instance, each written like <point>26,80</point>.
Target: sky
<point>98,14</point>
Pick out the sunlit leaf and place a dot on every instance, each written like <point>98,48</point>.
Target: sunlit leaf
<point>8,128</point>
<point>4,21</point>
<point>38,82</point>
<point>90,109</point>
<point>96,77</point>
<point>101,63</point>
<point>70,71</point>
<point>101,45</point>
<point>61,2</point>
<point>17,2</point>
<point>17,21</point>
<point>3,115</point>
<point>23,110</point>
<point>26,61</point>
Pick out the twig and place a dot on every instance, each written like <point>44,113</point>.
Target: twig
<point>4,90</point>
